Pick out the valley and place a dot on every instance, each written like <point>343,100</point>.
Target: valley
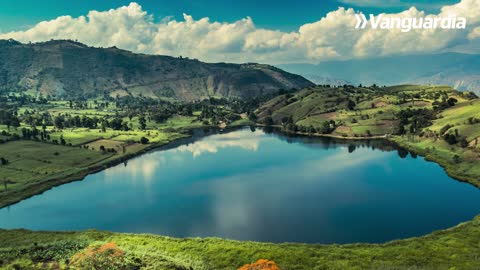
<point>51,141</point>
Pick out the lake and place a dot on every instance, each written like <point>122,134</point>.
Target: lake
<point>262,186</point>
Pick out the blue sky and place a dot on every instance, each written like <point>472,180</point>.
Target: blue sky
<point>273,14</point>
<point>268,31</point>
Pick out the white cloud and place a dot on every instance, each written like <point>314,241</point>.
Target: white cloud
<point>475,33</point>
<point>332,37</point>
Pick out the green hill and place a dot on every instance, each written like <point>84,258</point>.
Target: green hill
<point>438,122</point>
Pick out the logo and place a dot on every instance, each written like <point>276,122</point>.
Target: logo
<point>406,24</point>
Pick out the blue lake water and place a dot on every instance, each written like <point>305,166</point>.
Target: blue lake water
<point>253,185</point>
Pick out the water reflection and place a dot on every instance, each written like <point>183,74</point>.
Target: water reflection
<point>253,185</point>
<point>241,200</point>
<point>243,139</point>
<point>138,169</point>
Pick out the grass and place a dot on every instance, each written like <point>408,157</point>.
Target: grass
<point>31,162</point>
<point>78,136</point>
<point>374,111</point>
<point>107,144</point>
<point>455,248</point>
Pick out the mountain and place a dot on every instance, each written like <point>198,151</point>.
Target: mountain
<point>454,69</point>
<point>319,80</point>
<point>68,68</point>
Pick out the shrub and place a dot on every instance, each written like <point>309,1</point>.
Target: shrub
<point>450,139</point>
<point>143,140</point>
<point>3,161</point>
<point>268,121</point>
<point>261,264</point>
<point>106,256</point>
<point>445,128</point>
<point>463,143</point>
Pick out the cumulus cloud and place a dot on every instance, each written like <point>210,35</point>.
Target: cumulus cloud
<point>475,33</point>
<point>332,37</point>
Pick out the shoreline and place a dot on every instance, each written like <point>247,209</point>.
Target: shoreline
<point>38,188</point>
<point>45,185</point>
<point>449,169</point>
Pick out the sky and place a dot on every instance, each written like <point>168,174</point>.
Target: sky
<point>274,32</point>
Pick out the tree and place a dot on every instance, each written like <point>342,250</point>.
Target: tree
<point>143,140</point>
<point>463,143</point>
<point>58,122</point>
<point>327,127</point>
<point>351,104</point>
<point>62,140</point>
<point>401,129</point>
<point>252,116</point>
<point>451,102</point>
<point>102,148</point>
<point>3,161</point>
<point>450,138</point>
<point>268,121</point>
<point>142,122</point>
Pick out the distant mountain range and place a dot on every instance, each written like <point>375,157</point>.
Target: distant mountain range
<point>68,68</point>
<point>461,71</point>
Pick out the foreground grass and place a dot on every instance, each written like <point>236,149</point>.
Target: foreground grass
<point>455,248</point>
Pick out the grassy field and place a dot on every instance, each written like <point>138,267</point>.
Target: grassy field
<point>373,112</point>
<point>31,162</point>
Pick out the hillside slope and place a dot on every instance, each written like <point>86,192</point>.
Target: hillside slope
<point>437,122</point>
<point>66,67</point>
<point>358,111</point>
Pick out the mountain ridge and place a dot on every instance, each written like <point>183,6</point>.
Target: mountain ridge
<point>458,70</point>
<point>70,68</point>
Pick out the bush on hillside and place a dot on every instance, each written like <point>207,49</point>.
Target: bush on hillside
<point>106,256</point>
<point>261,264</point>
